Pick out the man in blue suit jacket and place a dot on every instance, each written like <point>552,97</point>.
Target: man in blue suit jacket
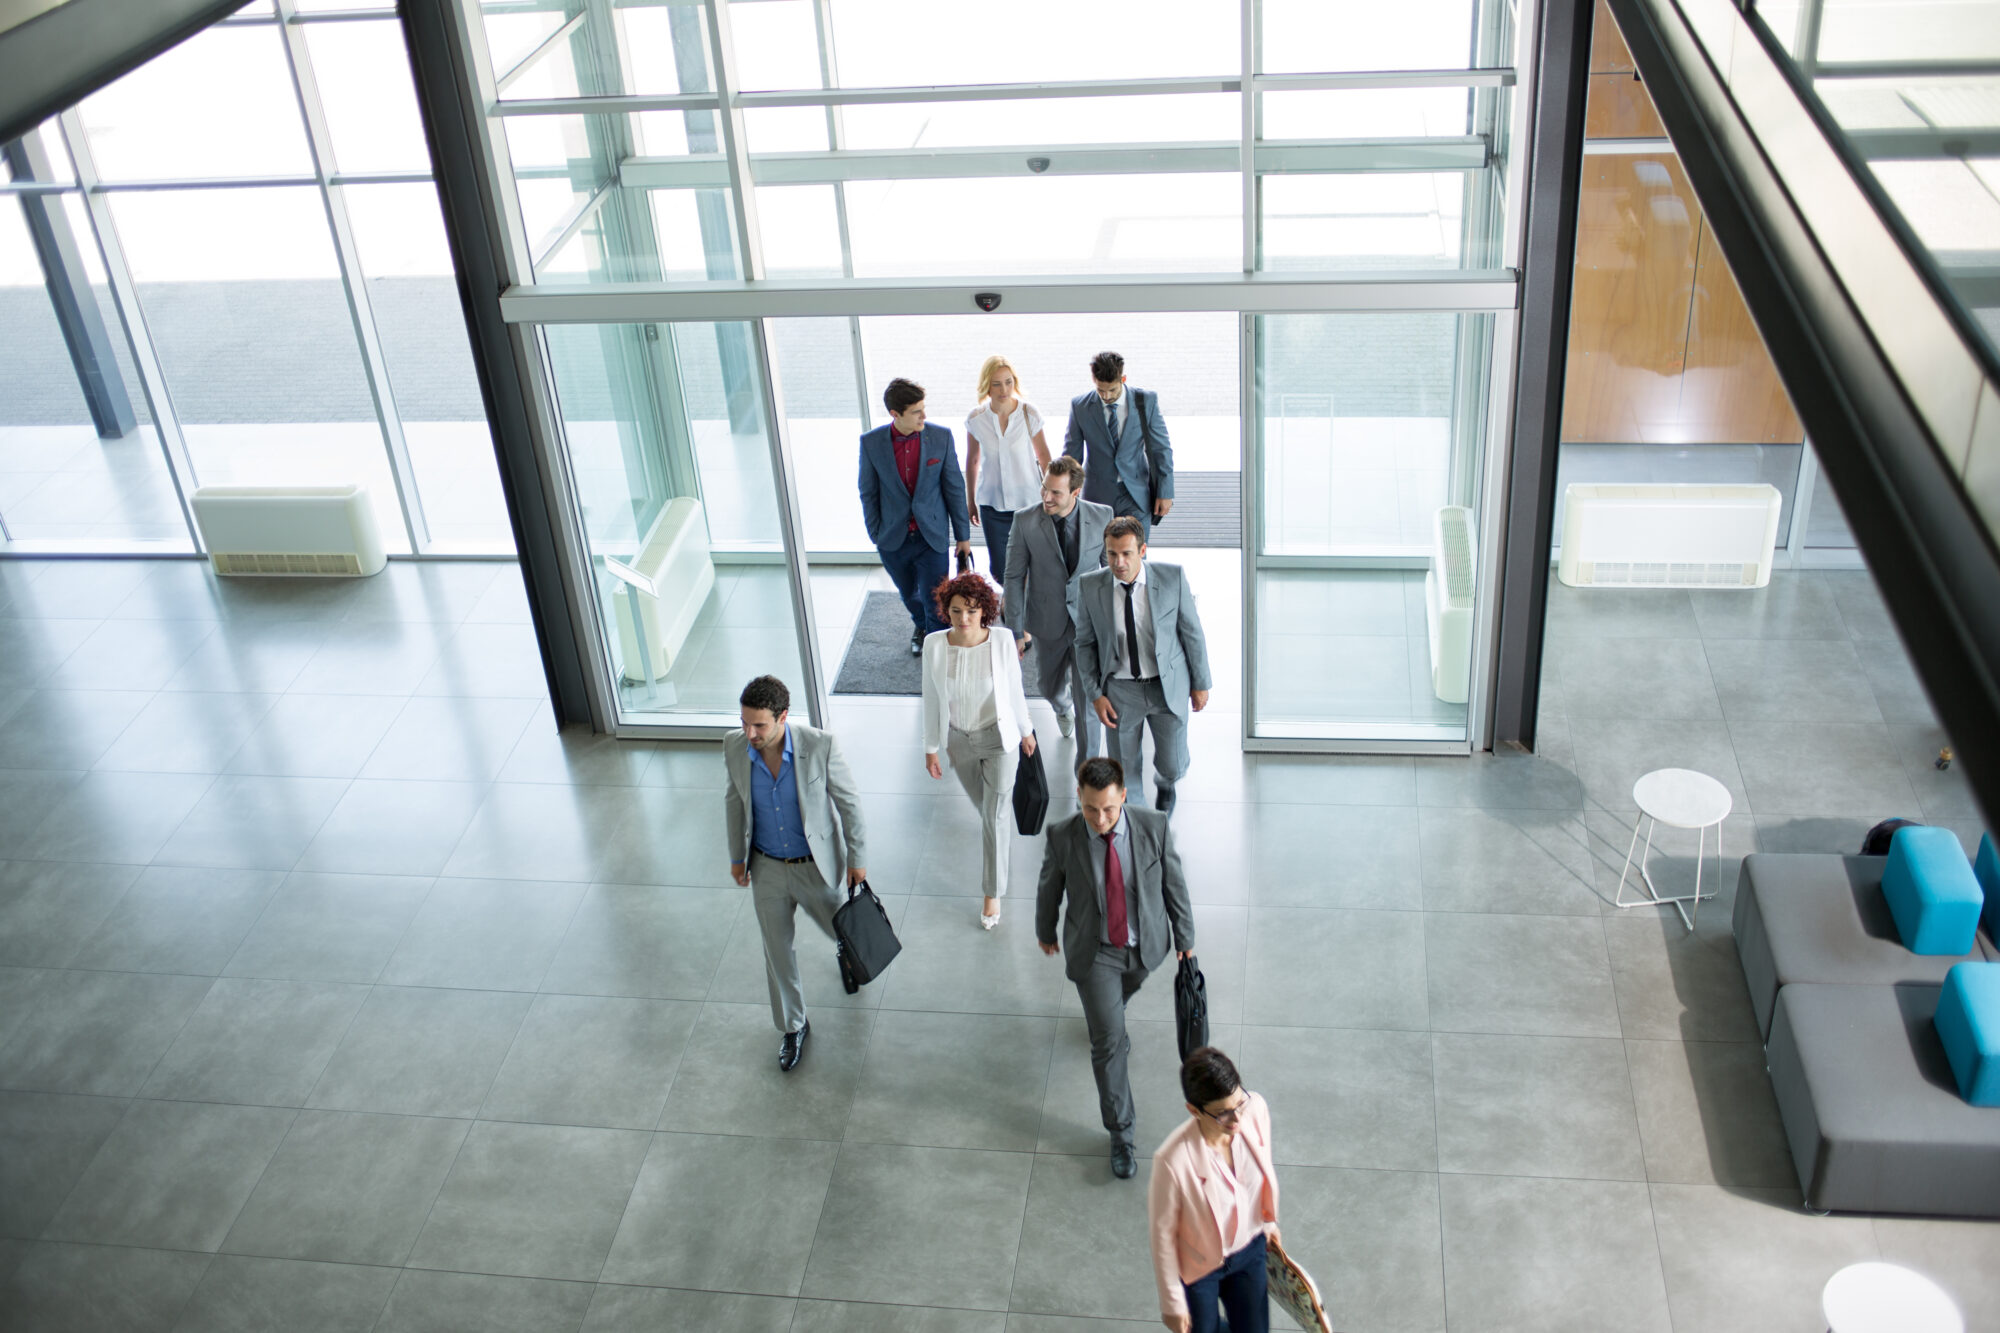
<point>913,499</point>
<point>1131,462</point>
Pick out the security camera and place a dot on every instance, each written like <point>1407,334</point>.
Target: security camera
<point>1038,165</point>
<point>987,301</point>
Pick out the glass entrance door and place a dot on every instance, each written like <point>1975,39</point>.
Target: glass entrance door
<point>684,500</point>
<point>1365,456</point>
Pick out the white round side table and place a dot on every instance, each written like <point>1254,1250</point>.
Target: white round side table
<point>1678,798</point>
<point>1887,1298</point>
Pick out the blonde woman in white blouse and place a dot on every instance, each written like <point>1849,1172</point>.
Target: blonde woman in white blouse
<point>976,711</point>
<point>1006,456</point>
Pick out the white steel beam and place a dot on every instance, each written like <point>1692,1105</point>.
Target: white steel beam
<point>1423,289</point>
<point>711,170</point>
<point>542,48</point>
<point>735,141</point>
<point>609,104</point>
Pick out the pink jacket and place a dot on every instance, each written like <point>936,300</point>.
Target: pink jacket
<point>1183,1203</point>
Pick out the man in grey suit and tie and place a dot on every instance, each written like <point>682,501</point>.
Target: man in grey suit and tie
<point>1131,461</point>
<point>787,781</point>
<point>1115,866</point>
<point>1051,547</point>
<point>1142,654</point>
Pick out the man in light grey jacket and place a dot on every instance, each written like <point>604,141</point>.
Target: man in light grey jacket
<point>1053,545</point>
<point>787,783</point>
<point>1113,865</point>
<point>1143,657</point>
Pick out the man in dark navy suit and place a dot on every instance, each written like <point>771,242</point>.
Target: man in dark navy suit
<point>1130,466</point>
<point>913,499</point>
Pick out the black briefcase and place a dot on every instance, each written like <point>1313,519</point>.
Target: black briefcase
<point>1190,1008</point>
<point>1031,794</point>
<point>867,942</point>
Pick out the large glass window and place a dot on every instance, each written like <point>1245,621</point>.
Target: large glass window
<point>199,195</point>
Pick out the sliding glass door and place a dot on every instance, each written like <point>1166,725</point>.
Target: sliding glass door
<point>1364,579</point>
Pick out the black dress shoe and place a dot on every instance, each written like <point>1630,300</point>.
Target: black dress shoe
<point>917,644</point>
<point>1124,1162</point>
<point>794,1047</point>
<point>1163,800</point>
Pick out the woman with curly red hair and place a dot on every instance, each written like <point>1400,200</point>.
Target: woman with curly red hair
<point>976,711</point>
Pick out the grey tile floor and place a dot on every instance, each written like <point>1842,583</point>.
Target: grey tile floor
<point>339,991</point>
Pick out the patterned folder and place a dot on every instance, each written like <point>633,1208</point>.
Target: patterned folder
<point>1293,1289</point>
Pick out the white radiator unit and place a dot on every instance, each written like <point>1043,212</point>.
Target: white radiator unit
<point>1667,536</point>
<point>666,585</point>
<point>289,530</point>
<point>1448,603</point>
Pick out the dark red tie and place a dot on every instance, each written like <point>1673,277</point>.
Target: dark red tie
<point>1114,896</point>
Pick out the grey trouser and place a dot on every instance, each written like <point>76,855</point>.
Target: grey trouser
<point>1142,704</point>
<point>775,889</point>
<point>1115,976</point>
<point>985,765</point>
<point>1061,683</point>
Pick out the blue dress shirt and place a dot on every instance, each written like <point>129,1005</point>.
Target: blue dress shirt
<point>775,827</point>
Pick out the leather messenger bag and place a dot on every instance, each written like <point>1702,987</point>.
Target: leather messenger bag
<point>868,944</point>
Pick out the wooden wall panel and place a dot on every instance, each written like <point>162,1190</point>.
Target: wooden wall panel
<point>1619,108</point>
<point>1636,248</point>
<point>1730,391</point>
<point>1608,52</point>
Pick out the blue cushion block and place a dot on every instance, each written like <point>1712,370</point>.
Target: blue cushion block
<point>1986,869</point>
<point>1931,891</point>
<point>1968,1022</point>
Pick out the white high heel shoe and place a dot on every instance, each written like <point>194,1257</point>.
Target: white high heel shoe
<point>988,921</point>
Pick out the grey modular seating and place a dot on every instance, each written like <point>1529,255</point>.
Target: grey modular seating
<point>1870,1108</point>
<point>1822,919</point>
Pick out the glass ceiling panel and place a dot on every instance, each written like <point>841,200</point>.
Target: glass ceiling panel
<point>1308,36</point>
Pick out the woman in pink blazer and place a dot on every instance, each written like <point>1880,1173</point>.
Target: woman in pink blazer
<point>1212,1201</point>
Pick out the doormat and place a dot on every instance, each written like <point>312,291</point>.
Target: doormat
<point>879,660</point>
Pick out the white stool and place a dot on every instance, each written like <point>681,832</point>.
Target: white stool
<point>1886,1298</point>
<point>1679,798</point>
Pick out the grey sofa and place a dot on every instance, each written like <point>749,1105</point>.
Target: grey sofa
<point>1870,1108</point>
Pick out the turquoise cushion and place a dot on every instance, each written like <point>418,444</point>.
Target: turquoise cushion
<point>1968,1022</point>
<point>1931,891</point>
<point>1986,869</point>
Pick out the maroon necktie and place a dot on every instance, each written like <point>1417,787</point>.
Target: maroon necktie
<point>1114,895</point>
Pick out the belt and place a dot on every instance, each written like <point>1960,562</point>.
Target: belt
<point>1136,680</point>
<point>785,860</point>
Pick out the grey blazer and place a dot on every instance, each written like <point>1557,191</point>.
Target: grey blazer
<point>1142,456</point>
<point>1041,592</point>
<point>1067,873</point>
<point>825,786</point>
<point>1178,642</point>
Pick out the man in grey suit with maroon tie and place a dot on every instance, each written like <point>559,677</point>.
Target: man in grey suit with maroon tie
<point>1110,872</point>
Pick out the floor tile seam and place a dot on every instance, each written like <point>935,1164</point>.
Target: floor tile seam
<point>522,1023</point>
<point>372,985</point>
<point>251,1193</point>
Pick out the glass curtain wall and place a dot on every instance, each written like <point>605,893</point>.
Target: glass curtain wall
<point>798,197</point>
<point>240,256</point>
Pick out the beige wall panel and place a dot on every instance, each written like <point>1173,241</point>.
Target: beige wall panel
<point>1619,108</point>
<point>1637,228</point>
<point>1608,53</point>
<point>1730,392</point>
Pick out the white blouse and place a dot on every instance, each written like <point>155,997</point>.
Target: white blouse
<point>972,703</point>
<point>1009,477</point>
<point>1243,1218</point>
<point>1004,700</point>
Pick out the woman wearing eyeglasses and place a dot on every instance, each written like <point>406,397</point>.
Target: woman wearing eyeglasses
<point>1212,1201</point>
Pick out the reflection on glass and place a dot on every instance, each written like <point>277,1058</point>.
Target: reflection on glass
<point>219,104</point>
<point>669,451</point>
<point>399,232</point>
<point>365,89</point>
<point>635,48</point>
<point>58,478</point>
<point>1369,440</point>
<point>1183,223</point>
<point>242,293</point>
<point>1031,41</point>
<point>1371,220</point>
<point>777,44</point>
<point>1307,36</point>
<point>801,229</point>
<point>823,424</point>
<point>1209,117</point>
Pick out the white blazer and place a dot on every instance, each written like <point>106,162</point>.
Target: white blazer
<point>1011,699</point>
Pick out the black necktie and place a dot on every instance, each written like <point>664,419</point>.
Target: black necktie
<point>1111,423</point>
<point>1068,527</point>
<point>1131,633</point>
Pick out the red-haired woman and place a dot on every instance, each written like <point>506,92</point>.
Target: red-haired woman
<point>976,711</point>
